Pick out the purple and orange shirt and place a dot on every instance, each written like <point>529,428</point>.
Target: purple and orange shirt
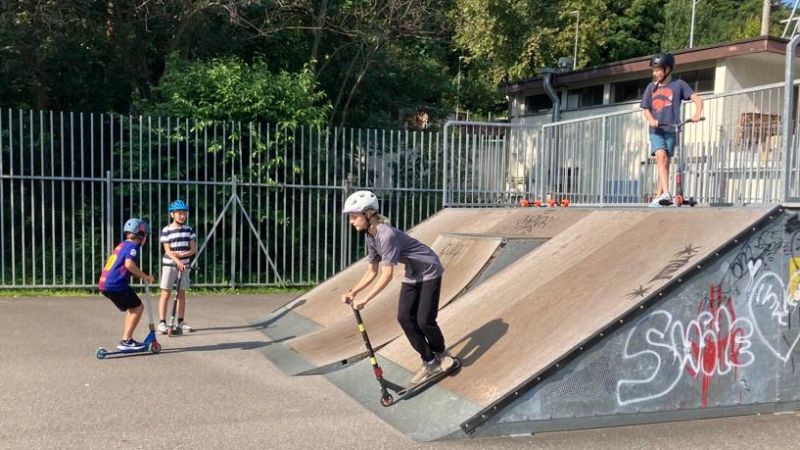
<point>114,277</point>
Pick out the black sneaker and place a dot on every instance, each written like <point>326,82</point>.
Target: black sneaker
<point>130,345</point>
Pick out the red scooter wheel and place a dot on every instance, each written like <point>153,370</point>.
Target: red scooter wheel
<point>387,401</point>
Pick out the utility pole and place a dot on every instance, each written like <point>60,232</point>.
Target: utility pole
<point>691,31</point>
<point>575,55</point>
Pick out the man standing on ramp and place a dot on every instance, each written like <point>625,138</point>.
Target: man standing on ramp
<point>419,295</point>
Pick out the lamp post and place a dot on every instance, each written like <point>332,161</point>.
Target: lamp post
<point>577,22</point>
<point>691,30</point>
<point>458,86</point>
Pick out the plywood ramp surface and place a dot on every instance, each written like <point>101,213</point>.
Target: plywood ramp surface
<point>463,259</point>
<point>514,325</point>
<point>321,304</point>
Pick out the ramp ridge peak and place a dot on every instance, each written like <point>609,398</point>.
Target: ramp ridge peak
<point>472,424</point>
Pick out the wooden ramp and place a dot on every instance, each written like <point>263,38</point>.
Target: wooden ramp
<point>319,337</point>
<point>524,320</point>
<point>320,308</point>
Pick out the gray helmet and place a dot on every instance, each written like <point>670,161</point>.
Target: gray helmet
<point>136,226</point>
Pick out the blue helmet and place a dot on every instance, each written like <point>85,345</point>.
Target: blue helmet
<point>178,205</point>
<point>136,226</point>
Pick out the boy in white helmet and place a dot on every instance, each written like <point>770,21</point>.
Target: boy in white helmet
<point>419,295</point>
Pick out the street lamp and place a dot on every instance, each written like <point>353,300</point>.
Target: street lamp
<point>458,85</point>
<point>691,30</point>
<point>577,22</point>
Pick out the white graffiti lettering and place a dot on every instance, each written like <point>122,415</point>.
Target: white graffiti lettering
<point>713,344</point>
<point>770,305</point>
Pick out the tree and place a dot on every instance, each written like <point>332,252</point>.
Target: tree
<point>231,89</point>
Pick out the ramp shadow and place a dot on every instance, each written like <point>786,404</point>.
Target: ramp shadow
<point>257,325</point>
<point>479,341</point>
<point>248,345</point>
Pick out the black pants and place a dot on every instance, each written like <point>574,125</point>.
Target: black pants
<point>416,312</point>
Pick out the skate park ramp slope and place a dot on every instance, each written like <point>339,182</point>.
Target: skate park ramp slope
<point>521,323</point>
<point>464,258</point>
<point>319,308</point>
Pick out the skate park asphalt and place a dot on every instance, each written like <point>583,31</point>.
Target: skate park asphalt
<point>214,389</point>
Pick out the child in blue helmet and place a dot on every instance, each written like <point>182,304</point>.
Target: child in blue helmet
<point>180,243</point>
<point>114,279</point>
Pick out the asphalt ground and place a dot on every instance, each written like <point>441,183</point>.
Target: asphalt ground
<point>213,389</point>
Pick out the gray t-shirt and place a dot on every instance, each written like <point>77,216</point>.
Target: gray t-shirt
<point>390,246</point>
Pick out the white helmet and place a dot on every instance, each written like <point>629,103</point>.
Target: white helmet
<point>360,201</point>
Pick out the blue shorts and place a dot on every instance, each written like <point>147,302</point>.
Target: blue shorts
<point>662,140</point>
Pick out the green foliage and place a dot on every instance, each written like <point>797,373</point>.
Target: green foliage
<point>230,89</point>
<point>346,62</point>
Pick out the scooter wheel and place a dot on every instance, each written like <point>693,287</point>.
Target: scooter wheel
<point>155,347</point>
<point>387,400</point>
<point>101,353</point>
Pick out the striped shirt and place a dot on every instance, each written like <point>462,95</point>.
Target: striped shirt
<point>178,239</point>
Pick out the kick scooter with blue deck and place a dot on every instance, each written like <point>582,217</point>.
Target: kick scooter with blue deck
<point>150,342</point>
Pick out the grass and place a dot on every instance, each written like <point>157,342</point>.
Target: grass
<point>252,290</point>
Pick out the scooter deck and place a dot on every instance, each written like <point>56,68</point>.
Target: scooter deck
<point>416,388</point>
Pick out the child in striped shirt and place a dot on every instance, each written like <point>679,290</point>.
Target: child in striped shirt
<point>180,243</point>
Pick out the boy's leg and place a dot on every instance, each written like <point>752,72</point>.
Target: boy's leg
<point>407,317</point>
<point>427,311</point>
<point>162,304</point>
<point>131,320</point>
<point>662,162</point>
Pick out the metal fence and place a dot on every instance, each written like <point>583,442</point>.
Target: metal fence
<point>736,156</point>
<point>265,200</point>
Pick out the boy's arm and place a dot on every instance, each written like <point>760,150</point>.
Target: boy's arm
<point>387,272</point>
<point>174,257</point>
<point>192,249</point>
<point>366,279</point>
<point>651,121</point>
<point>698,107</point>
<point>646,104</point>
<point>134,269</point>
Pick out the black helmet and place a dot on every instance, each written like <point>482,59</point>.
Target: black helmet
<point>663,60</point>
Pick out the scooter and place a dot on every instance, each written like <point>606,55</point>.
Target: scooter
<point>678,199</point>
<point>402,392</point>
<point>150,342</point>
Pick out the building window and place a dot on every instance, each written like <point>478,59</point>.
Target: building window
<point>538,103</point>
<point>585,97</point>
<point>699,80</point>
<point>628,91</point>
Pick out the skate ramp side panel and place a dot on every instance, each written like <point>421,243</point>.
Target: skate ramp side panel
<point>588,277</point>
<point>463,258</point>
<point>721,342</point>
